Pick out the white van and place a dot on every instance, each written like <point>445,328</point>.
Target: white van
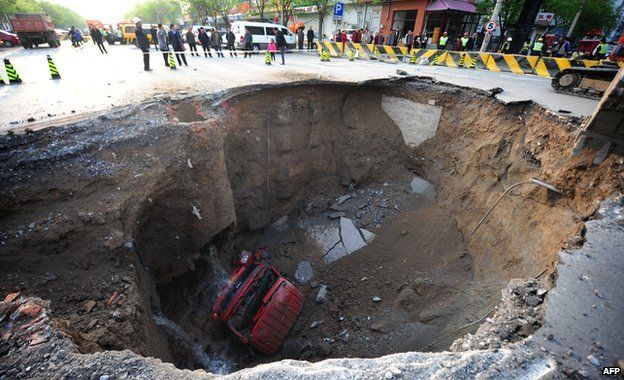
<point>261,32</point>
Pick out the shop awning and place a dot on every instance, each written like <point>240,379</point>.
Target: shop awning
<point>452,5</point>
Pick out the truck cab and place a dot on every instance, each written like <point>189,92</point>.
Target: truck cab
<point>259,305</point>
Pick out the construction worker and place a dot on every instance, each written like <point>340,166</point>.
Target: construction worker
<point>538,47</point>
<point>506,46</point>
<point>443,41</point>
<point>526,47</point>
<point>97,38</point>
<point>143,44</point>
<point>601,51</point>
<point>464,42</point>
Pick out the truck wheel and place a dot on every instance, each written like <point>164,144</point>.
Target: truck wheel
<point>255,48</point>
<point>8,44</point>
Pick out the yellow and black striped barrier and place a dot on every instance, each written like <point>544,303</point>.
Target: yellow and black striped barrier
<point>510,63</point>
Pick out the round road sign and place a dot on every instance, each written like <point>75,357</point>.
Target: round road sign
<point>490,26</point>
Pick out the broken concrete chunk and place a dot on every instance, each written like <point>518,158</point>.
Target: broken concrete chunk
<point>321,296</point>
<point>195,211</point>
<point>336,215</point>
<point>367,235</point>
<point>304,272</point>
<point>420,186</point>
<point>376,299</point>
<point>315,324</point>
<point>343,199</point>
<point>351,237</point>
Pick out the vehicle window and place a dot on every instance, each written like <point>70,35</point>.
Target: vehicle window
<point>236,287</point>
<point>129,29</point>
<point>286,32</point>
<point>256,30</point>
<point>269,31</point>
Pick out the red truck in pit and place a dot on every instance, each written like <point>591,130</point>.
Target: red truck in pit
<point>259,305</point>
<point>34,29</point>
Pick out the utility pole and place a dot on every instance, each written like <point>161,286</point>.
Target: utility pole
<point>576,17</point>
<point>495,17</point>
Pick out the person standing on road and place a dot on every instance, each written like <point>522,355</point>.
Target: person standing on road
<point>272,48</point>
<point>247,41</point>
<point>97,38</point>
<point>143,44</point>
<point>310,36</point>
<point>216,41</point>
<point>390,38</point>
<point>280,41</point>
<point>525,47</point>
<point>443,41</point>
<point>190,40</point>
<point>424,41</point>
<point>178,45</point>
<point>463,42</point>
<point>204,40</point>
<point>471,42</point>
<point>366,36</point>
<point>300,36</point>
<point>409,41</point>
<point>161,37</point>
<point>230,38</point>
<point>154,35</point>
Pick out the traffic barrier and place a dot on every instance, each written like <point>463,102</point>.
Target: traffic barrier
<point>351,55</point>
<point>14,77</point>
<point>413,57</point>
<point>510,63</point>
<point>53,70</point>
<point>549,67</point>
<point>267,58</point>
<point>2,83</point>
<point>172,64</point>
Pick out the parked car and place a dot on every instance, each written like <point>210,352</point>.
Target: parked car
<point>8,39</point>
<point>261,32</point>
<point>259,306</point>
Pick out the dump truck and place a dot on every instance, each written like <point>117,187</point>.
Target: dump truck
<point>34,29</point>
<point>259,305</point>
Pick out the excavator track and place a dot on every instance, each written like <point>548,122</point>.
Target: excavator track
<point>586,82</point>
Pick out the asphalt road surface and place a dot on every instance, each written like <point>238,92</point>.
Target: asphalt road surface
<point>92,82</point>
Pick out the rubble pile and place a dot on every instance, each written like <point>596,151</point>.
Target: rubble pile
<point>519,314</point>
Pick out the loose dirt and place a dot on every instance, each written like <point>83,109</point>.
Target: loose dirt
<point>141,213</point>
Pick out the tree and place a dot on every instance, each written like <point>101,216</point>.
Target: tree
<point>595,14</point>
<point>260,5</point>
<point>157,11</point>
<point>508,15</point>
<point>323,7</point>
<point>197,9</point>
<point>61,16</point>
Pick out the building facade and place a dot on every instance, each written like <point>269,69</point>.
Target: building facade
<point>433,17</point>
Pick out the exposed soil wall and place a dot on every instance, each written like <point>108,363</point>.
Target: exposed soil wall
<point>120,210</point>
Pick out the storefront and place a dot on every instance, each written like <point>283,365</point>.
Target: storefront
<point>454,17</point>
<point>403,14</point>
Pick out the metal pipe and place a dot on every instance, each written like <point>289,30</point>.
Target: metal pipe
<point>532,180</point>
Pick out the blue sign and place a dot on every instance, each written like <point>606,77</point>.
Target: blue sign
<point>338,8</point>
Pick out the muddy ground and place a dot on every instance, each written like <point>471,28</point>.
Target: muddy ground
<point>142,213</point>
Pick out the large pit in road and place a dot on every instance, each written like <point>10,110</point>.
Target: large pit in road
<point>130,223</point>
